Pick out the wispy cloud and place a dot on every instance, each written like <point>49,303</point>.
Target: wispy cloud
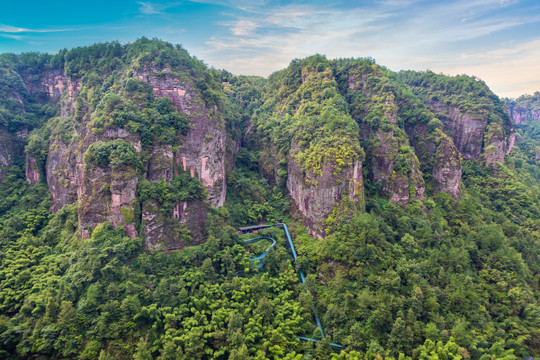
<point>14,30</point>
<point>399,34</point>
<point>148,8</point>
<point>11,36</point>
<point>262,36</point>
<point>243,27</point>
<point>509,71</point>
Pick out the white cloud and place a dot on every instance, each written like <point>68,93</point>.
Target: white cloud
<point>509,71</point>
<point>148,8</point>
<point>417,36</point>
<point>14,30</point>
<point>11,36</point>
<point>243,27</point>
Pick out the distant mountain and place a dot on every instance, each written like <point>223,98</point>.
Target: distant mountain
<point>524,109</point>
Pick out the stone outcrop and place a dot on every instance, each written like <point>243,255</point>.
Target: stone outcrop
<point>474,135</point>
<point>523,115</point>
<point>447,167</point>
<point>107,195</point>
<point>202,154</point>
<point>524,109</point>
<point>110,195</point>
<point>436,148</point>
<point>204,146</point>
<point>161,230</point>
<point>64,173</point>
<point>57,85</point>
<point>402,185</point>
<point>497,144</point>
<point>32,171</point>
<point>467,132</point>
<point>399,173</point>
<point>315,196</point>
<point>10,149</point>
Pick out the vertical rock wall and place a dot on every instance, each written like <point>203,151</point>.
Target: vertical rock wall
<point>315,196</point>
<point>204,146</point>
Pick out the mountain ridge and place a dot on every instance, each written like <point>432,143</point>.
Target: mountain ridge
<point>411,197</point>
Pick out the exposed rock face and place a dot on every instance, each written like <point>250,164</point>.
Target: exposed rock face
<point>64,173</point>
<point>437,148</point>
<point>107,195</point>
<point>103,194</point>
<point>9,149</point>
<point>204,147</point>
<point>497,144</point>
<point>32,171</point>
<point>63,165</point>
<point>472,134</point>
<point>524,109</point>
<point>523,115</point>
<point>56,84</point>
<point>447,167</point>
<point>161,230</point>
<point>202,153</point>
<point>399,173</point>
<point>315,197</point>
<point>466,132</point>
<point>472,115</point>
<point>400,186</point>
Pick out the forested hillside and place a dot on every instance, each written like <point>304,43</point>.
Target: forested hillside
<point>126,169</point>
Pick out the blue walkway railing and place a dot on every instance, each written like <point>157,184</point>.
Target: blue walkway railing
<point>249,229</point>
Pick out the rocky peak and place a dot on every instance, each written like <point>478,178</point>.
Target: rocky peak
<point>391,161</point>
<point>472,115</point>
<point>108,192</point>
<point>524,109</point>
<point>203,149</point>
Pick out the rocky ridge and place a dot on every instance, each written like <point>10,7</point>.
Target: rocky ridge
<point>318,121</point>
<point>524,109</point>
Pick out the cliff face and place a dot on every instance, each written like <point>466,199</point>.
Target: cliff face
<point>203,150</point>
<point>309,138</point>
<point>58,86</point>
<point>201,153</point>
<point>521,115</point>
<point>315,196</point>
<point>109,192</point>
<point>312,123</point>
<point>447,166</point>
<point>17,118</point>
<point>392,162</point>
<point>472,115</point>
<point>11,148</point>
<point>439,155</point>
<point>524,109</point>
<point>404,184</point>
<point>467,132</point>
<point>474,135</point>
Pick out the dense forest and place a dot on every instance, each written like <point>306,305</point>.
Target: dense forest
<point>419,239</point>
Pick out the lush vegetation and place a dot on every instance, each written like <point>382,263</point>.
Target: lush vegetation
<point>440,278</point>
<point>304,113</point>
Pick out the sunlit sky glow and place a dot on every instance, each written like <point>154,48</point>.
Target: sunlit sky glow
<point>495,40</point>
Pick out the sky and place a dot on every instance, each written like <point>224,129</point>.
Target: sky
<point>495,40</point>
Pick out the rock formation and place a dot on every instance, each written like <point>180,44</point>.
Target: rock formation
<point>316,196</point>
<point>524,109</point>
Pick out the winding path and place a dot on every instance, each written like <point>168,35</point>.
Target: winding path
<point>250,229</point>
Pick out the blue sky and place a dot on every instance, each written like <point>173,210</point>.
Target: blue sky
<point>496,40</point>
